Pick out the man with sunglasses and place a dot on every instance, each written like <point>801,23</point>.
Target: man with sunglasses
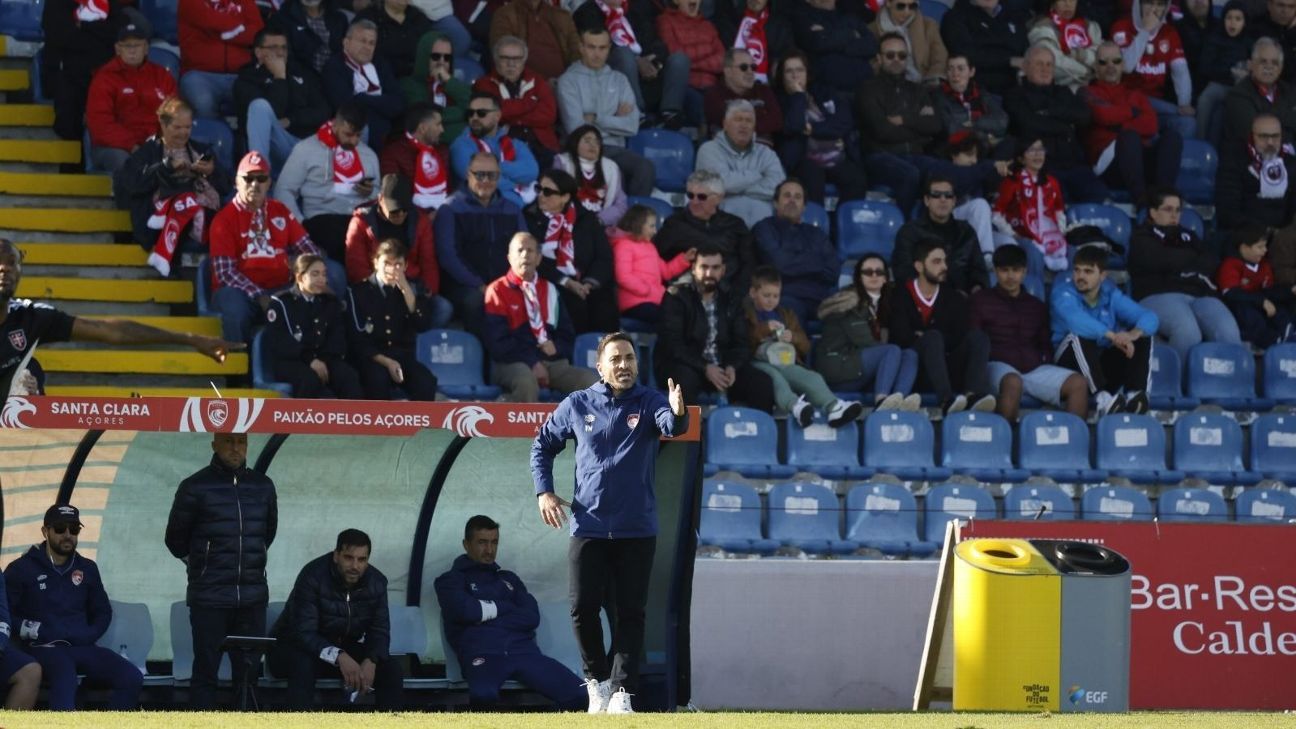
<point>739,82</point>
<point>59,608</point>
<point>966,264</point>
<point>927,54</point>
<point>702,224</point>
<point>280,102</point>
<point>517,164</point>
<point>1263,92</point>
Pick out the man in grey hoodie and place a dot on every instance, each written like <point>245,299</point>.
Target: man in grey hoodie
<point>590,92</point>
<point>327,176</point>
<point>750,171</point>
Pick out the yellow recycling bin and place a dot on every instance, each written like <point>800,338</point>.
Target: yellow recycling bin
<point>1007,627</point>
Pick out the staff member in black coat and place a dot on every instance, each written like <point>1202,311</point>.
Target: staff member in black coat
<point>306,336</point>
<point>222,523</point>
<point>388,315</point>
<point>336,622</point>
<point>574,253</point>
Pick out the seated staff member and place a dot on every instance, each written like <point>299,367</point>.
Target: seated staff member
<point>306,337</point>
<point>388,316</point>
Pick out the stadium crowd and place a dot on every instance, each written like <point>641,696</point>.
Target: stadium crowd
<point>473,164</point>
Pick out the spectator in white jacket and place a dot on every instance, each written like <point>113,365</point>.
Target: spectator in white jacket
<point>750,171</point>
<point>327,176</point>
<point>590,92</point>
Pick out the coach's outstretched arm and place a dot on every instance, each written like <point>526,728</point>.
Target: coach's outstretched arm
<point>548,443</point>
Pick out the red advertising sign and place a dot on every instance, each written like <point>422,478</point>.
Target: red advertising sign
<point>1214,608</point>
<point>256,415</point>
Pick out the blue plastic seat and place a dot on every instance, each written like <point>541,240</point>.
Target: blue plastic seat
<point>1166,372</point>
<point>1133,446</point>
<point>168,60</point>
<point>218,134</point>
<point>867,226</point>
<point>954,501</point>
<point>830,452</point>
<point>1056,445</point>
<point>731,519</point>
<point>1110,219</point>
<point>163,15</point>
<point>816,216</point>
<point>131,632</point>
<point>979,445</point>
<point>1280,373</point>
<point>1192,220</point>
<point>1115,503</point>
<point>671,154</point>
<point>1223,374</point>
<point>1043,503</point>
<point>456,358</point>
<point>743,440</point>
<point>901,443</point>
<point>1193,505</point>
<point>1197,168</point>
<point>1273,447</point>
<point>1265,506</point>
<point>21,19</point>
<point>805,516</point>
<point>934,9</point>
<point>884,516</point>
<point>659,206</point>
<point>262,373</point>
<point>1209,446</point>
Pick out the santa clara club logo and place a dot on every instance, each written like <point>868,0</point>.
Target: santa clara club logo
<point>756,47</point>
<point>217,412</point>
<point>632,420</point>
<point>345,158</point>
<point>1076,37</point>
<point>18,338</point>
<point>430,165</point>
<point>77,577</point>
<point>1275,173</point>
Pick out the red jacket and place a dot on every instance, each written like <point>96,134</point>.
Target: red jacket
<point>534,107</point>
<point>201,26</point>
<point>1234,274</point>
<point>420,263</point>
<point>696,37</point>
<point>121,107</point>
<point>1116,108</point>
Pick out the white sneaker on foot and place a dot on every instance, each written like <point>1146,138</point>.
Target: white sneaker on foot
<point>911,403</point>
<point>802,412</point>
<point>620,703</point>
<point>984,404</point>
<point>842,412</point>
<point>889,402</point>
<point>600,692</point>
<point>957,405</point>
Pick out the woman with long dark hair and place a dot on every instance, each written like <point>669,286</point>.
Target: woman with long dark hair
<point>816,125</point>
<point>598,179</point>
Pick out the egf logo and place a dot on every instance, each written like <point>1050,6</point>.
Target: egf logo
<point>1079,695</point>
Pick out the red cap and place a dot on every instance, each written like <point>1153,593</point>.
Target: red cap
<point>253,162</point>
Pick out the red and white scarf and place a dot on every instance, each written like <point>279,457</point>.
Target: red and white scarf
<point>347,167</point>
<point>618,27</point>
<point>1272,173</point>
<point>1038,206</point>
<point>364,78</point>
<point>969,99</point>
<point>541,300</point>
<point>436,92</point>
<point>591,196</point>
<point>507,152</point>
<point>751,36</point>
<point>430,184</point>
<point>1072,34</point>
<point>558,243</point>
<point>91,11</point>
<point>171,215</point>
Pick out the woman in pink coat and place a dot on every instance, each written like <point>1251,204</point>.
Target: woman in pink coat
<point>641,274</point>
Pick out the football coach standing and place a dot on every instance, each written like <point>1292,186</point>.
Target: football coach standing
<point>616,424</point>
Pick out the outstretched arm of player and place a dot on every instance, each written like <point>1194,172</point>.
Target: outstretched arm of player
<point>124,331</point>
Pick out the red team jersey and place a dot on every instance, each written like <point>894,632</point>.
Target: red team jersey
<point>1149,76</point>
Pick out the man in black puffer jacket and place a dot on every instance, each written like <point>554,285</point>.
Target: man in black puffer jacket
<point>222,522</point>
<point>337,622</point>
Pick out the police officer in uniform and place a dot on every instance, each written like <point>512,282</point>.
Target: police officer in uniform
<point>388,315</point>
<point>24,322</point>
<point>306,335</point>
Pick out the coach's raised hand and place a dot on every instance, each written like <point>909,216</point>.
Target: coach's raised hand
<point>551,509</point>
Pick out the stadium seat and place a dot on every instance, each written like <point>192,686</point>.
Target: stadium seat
<point>884,516</point>
<point>731,519</point>
<point>1186,504</point>
<point>817,216</point>
<point>21,19</point>
<point>1166,372</point>
<point>1192,220</point>
<point>670,152</point>
<point>1115,503</point>
<point>1110,219</point>
<point>1224,374</point>
<point>1280,373</point>
<point>1034,286</point>
<point>408,631</point>
<point>979,445</point>
<point>1273,447</point>
<point>805,516</point>
<point>168,60</point>
<point>218,134</point>
<point>182,647</point>
<point>262,373</point>
<point>130,632</point>
<point>1133,447</point>
<point>659,206</point>
<point>1209,446</point>
<point>585,350</point>
<point>830,452</point>
<point>456,358</point>
<point>743,440</point>
<point>1197,167</point>
<point>163,15</point>
<point>934,9</point>
<point>901,443</point>
<point>955,501</point>
<point>1265,506</point>
<point>1042,503</point>
<point>1056,445</point>
<point>867,226</point>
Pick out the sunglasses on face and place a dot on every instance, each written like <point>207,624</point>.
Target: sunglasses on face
<point>484,175</point>
<point>480,113</point>
<point>75,529</point>
<point>440,56</point>
<point>697,195</point>
<point>253,179</point>
<point>940,195</point>
<point>895,55</point>
<point>549,191</point>
<point>872,272</point>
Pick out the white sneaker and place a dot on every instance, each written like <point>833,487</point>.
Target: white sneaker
<point>957,405</point>
<point>1107,403</point>
<point>843,412</point>
<point>802,412</point>
<point>889,402</point>
<point>620,703</point>
<point>984,404</point>
<point>600,692</point>
<point>911,403</point>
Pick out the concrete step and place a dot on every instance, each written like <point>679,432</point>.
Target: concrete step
<point>38,133</point>
<point>104,273</point>
<point>13,48</point>
<point>19,186</point>
<point>65,220</point>
<point>114,308</point>
<point>43,236</point>
<point>77,254</point>
<point>126,291</point>
<point>39,150</point>
<point>110,391</point>
<point>27,115</point>
<point>140,361</point>
<point>48,168</point>
<point>58,200</point>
